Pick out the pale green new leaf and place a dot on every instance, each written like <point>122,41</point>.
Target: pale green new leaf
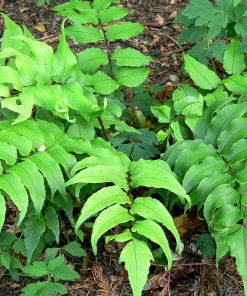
<point>125,236</point>
<point>130,57</point>
<point>108,219</point>
<point>100,200</point>
<point>155,233</point>
<point>42,55</point>
<point>90,59</point>
<point>131,77</point>
<point>156,174</point>
<point>152,209</point>
<point>103,83</point>
<point>238,243</point>
<point>8,153</point>
<point>50,170</point>
<point>236,84</point>
<point>234,59</point>
<point>101,174</point>
<point>2,211</point>
<point>33,181</point>
<point>9,75</point>
<point>123,31</point>
<point>112,14</point>
<point>137,256</point>
<point>64,60</point>
<point>13,186</point>
<point>11,30</point>
<point>84,34</point>
<point>103,4</point>
<point>200,74</point>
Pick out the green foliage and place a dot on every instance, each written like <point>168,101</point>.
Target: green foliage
<point>117,207</point>
<point>207,23</point>
<point>56,269</point>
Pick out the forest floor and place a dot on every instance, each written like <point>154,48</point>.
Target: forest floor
<point>191,274</point>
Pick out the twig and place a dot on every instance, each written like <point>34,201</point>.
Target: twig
<point>103,128</point>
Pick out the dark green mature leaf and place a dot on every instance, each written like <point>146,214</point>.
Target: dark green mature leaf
<point>84,34</point>
<point>123,31</point>
<point>206,245</point>
<point>137,256</point>
<point>36,269</point>
<point>74,249</point>
<point>61,271</point>
<point>200,74</point>
<point>108,219</point>
<point>52,221</point>
<point>43,289</point>
<point>33,228</point>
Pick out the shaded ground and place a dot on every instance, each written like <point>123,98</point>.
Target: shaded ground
<point>191,274</point>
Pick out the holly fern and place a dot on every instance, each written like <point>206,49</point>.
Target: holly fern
<point>142,218</point>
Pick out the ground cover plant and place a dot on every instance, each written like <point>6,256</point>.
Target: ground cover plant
<point>81,149</point>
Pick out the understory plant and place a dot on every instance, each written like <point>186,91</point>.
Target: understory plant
<point>84,146</point>
<point>214,27</point>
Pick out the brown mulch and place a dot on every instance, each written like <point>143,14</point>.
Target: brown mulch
<point>191,274</point>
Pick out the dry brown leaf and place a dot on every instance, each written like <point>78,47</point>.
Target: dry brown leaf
<point>160,20</point>
<point>173,15</point>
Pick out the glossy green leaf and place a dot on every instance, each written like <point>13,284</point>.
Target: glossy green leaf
<point>200,74</point>
<point>234,59</point>
<point>236,84</point>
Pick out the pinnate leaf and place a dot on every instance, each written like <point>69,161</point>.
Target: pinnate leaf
<point>123,31</point>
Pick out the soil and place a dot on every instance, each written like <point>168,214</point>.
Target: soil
<point>191,274</point>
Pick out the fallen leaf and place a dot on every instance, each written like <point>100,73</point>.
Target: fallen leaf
<point>40,27</point>
<point>160,20</point>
